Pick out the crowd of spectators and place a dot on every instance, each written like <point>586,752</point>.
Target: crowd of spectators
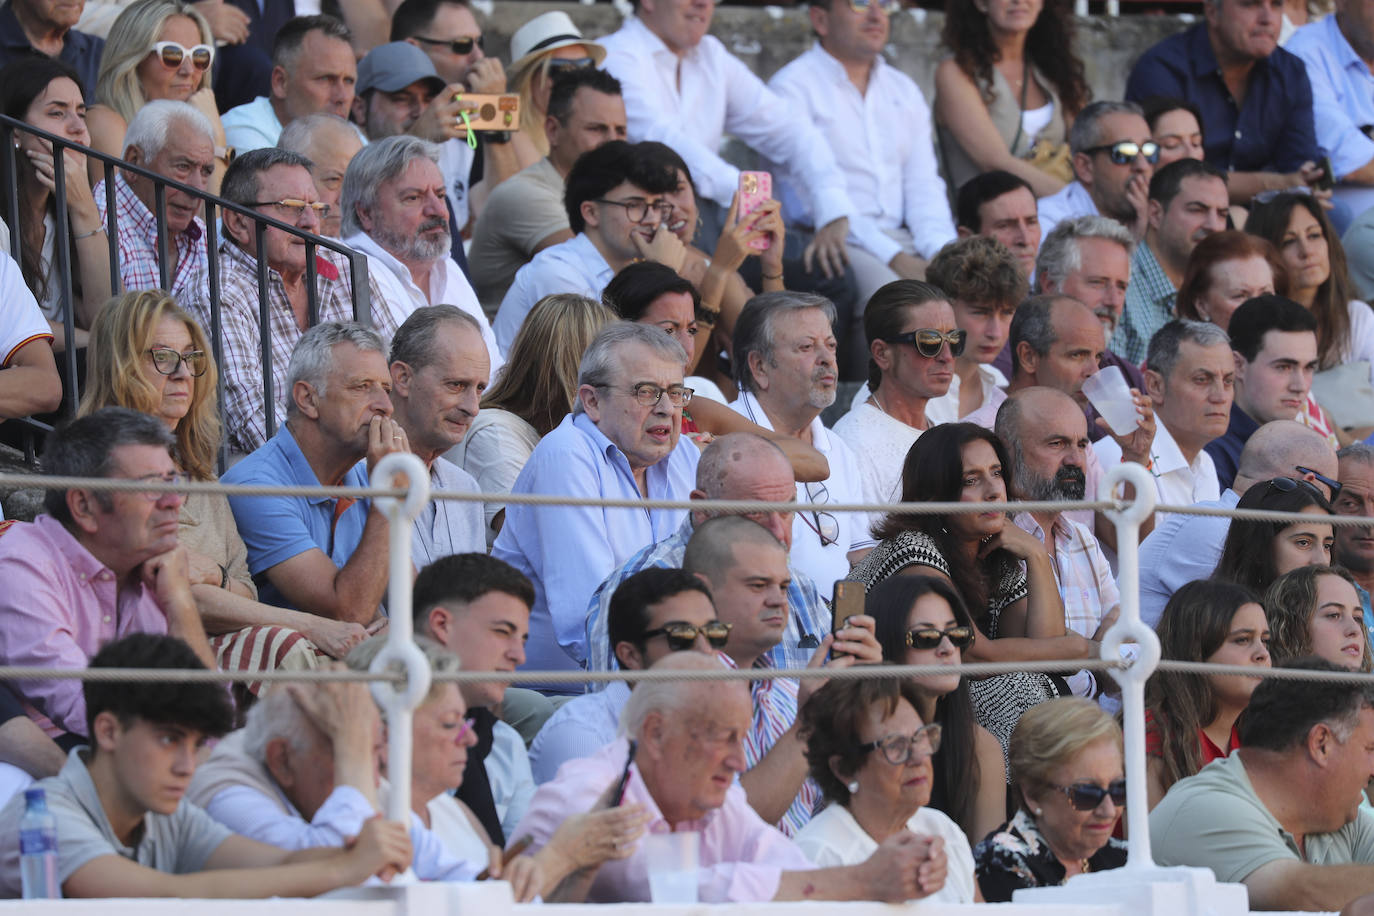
<point>590,302</point>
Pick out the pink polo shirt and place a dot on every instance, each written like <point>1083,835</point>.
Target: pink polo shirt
<point>58,606</point>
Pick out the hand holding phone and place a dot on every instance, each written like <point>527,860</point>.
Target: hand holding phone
<point>754,189</point>
<point>847,601</point>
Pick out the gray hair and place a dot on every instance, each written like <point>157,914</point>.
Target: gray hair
<point>1086,131</point>
<point>1162,355</point>
<point>240,185</point>
<point>376,163</point>
<point>1060,253</point>
<point>726,454</point>
<point>276,714</point>
<point>601,363</point>
<point>1356,451</point>
<point>84,447</point>
<point>756,327</point>
<point>441,660</point>
<point>668,696</point>
<point>414,341</point>
<point>153,123</point>
<point>313,356</point>
<point>299,135</point>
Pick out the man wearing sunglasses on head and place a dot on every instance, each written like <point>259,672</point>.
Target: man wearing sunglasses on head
<point>1113,159</point>
<point>657,611</point>
<point>746,567</point>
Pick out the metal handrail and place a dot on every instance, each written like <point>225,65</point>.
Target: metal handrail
<point>362,303</point>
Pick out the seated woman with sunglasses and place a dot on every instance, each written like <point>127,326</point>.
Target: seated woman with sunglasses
<point>157,49</point>
<point>155,358</point>
<point>913,342</point>
<point>1257,553</point>
<point>921,620</point>
<point>1004,576</point>
<point>1190,719</point>
<point>871,752</point>
<point>1070,780</point>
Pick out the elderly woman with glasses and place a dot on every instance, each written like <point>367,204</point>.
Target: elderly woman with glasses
<point>1071,781</point>
<point>870,752</point>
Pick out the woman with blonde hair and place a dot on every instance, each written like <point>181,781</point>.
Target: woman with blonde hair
<point>155,358</point>
<point>532,395</point>
<point>157,49</point>
<point>540,48</point>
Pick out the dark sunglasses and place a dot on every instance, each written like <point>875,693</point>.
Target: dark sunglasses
<point>682,636</point>
<point>1086,796</point>
<point>930,638</point>
<point>172,54</point>
<point>928,341</point>
<point>458,46</point>
<point>558,65</point>
<point>1334,485</point>
<point>1288,485</point>
<point>1125,152</point>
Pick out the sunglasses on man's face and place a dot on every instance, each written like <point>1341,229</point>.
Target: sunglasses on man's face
<point>928,341</point>
<point>172,54</point>
<point>1126,151</point>
<point>1086,796</point>
<point>456,46</point>
<point>930,637</point>
<point>683,636</point>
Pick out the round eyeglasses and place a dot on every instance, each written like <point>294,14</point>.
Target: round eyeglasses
<point>898,749</point>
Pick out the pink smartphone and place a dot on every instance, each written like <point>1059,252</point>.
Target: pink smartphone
<point>754,189</point>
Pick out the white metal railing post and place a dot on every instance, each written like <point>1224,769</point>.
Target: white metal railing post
<point>400,650</point>
<point>1130,629</point>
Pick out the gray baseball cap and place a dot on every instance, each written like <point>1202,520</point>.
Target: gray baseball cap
<point>392,67</point>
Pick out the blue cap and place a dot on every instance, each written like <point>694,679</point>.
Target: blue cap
<point>392,67</point>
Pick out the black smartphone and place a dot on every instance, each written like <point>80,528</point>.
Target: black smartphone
<point>625,775</point>
<point>1327,181</point>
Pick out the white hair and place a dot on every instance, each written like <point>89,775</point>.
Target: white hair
<point>151,125</point>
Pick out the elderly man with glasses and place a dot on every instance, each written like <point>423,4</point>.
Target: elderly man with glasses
<point>277,184</point>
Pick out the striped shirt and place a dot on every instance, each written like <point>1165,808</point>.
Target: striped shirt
<point>138,254</point>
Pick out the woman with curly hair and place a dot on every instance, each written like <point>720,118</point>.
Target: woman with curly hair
<point>1315,610</point>
<point>1007,96</point>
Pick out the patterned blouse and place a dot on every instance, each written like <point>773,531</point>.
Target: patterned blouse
<point>1016,855</point>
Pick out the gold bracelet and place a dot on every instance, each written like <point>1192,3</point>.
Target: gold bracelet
<point>772,276</point>
<point>85,235</point>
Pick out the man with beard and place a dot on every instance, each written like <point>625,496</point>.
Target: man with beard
<point>439,369</point>
<point>1113,159</point>
<point>1046,435</point>
<point>1354,547</point>
<point>784,348</point>
<point>394,212</point>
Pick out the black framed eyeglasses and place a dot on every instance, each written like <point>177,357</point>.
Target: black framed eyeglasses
<point>557,65</point>
<point>1124,152</point>
<point>682,636</point>
<point>1334,486</point>
<point>458,46</point>
<point>637,208</point>
<point>1289,484</point>
<point>928,341</point>
<point>1086,796</point>
<point>166,360</point>
<point>825,524</point>
<point>898,749</point>
<point>929,637</point>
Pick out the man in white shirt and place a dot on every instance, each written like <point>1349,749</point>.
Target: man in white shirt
<point>1113,159</point>
<point>877,125</point>
<point>1190,377</point>
<point>684,89</point>
<point>313,70</point>
<point>618,213</point>
<point>394,212</point>
<point>784,348</point>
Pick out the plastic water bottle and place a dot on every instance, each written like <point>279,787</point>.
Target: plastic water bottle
<point>38,848</point>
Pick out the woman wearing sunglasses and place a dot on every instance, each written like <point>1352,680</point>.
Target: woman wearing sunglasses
<point>1070,781</point>
<point>1190,719</point>
<point>871,751</point>
<point>1007,96</point>
<point>1257,553</point>
<point>157,49</point>
<point>1003,574</point>
<point>921,620</point>
<point>539,49</point>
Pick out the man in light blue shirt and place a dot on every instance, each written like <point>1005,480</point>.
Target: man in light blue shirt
<point>622,441</point>
<point>616,209</point>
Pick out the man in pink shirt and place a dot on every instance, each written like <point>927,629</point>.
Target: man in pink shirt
<point>97,565</point>
<point>690,739</point>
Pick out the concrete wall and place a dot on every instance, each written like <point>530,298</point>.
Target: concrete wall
<point>768,37</point>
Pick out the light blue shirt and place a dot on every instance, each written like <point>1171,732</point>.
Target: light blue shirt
<point>579,728</point>
<point>1070,202</point>
<point>574,266</point>
<point>252,125</point>
<point>1342,93</point>
<point>566,551</point>
<point>1182,548</point>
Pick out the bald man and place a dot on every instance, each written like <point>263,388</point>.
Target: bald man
<point>1187,547</point>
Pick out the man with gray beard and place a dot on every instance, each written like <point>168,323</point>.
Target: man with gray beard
<point>395,213</point>
<point>784,352</point>
<point>1046,436</point>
